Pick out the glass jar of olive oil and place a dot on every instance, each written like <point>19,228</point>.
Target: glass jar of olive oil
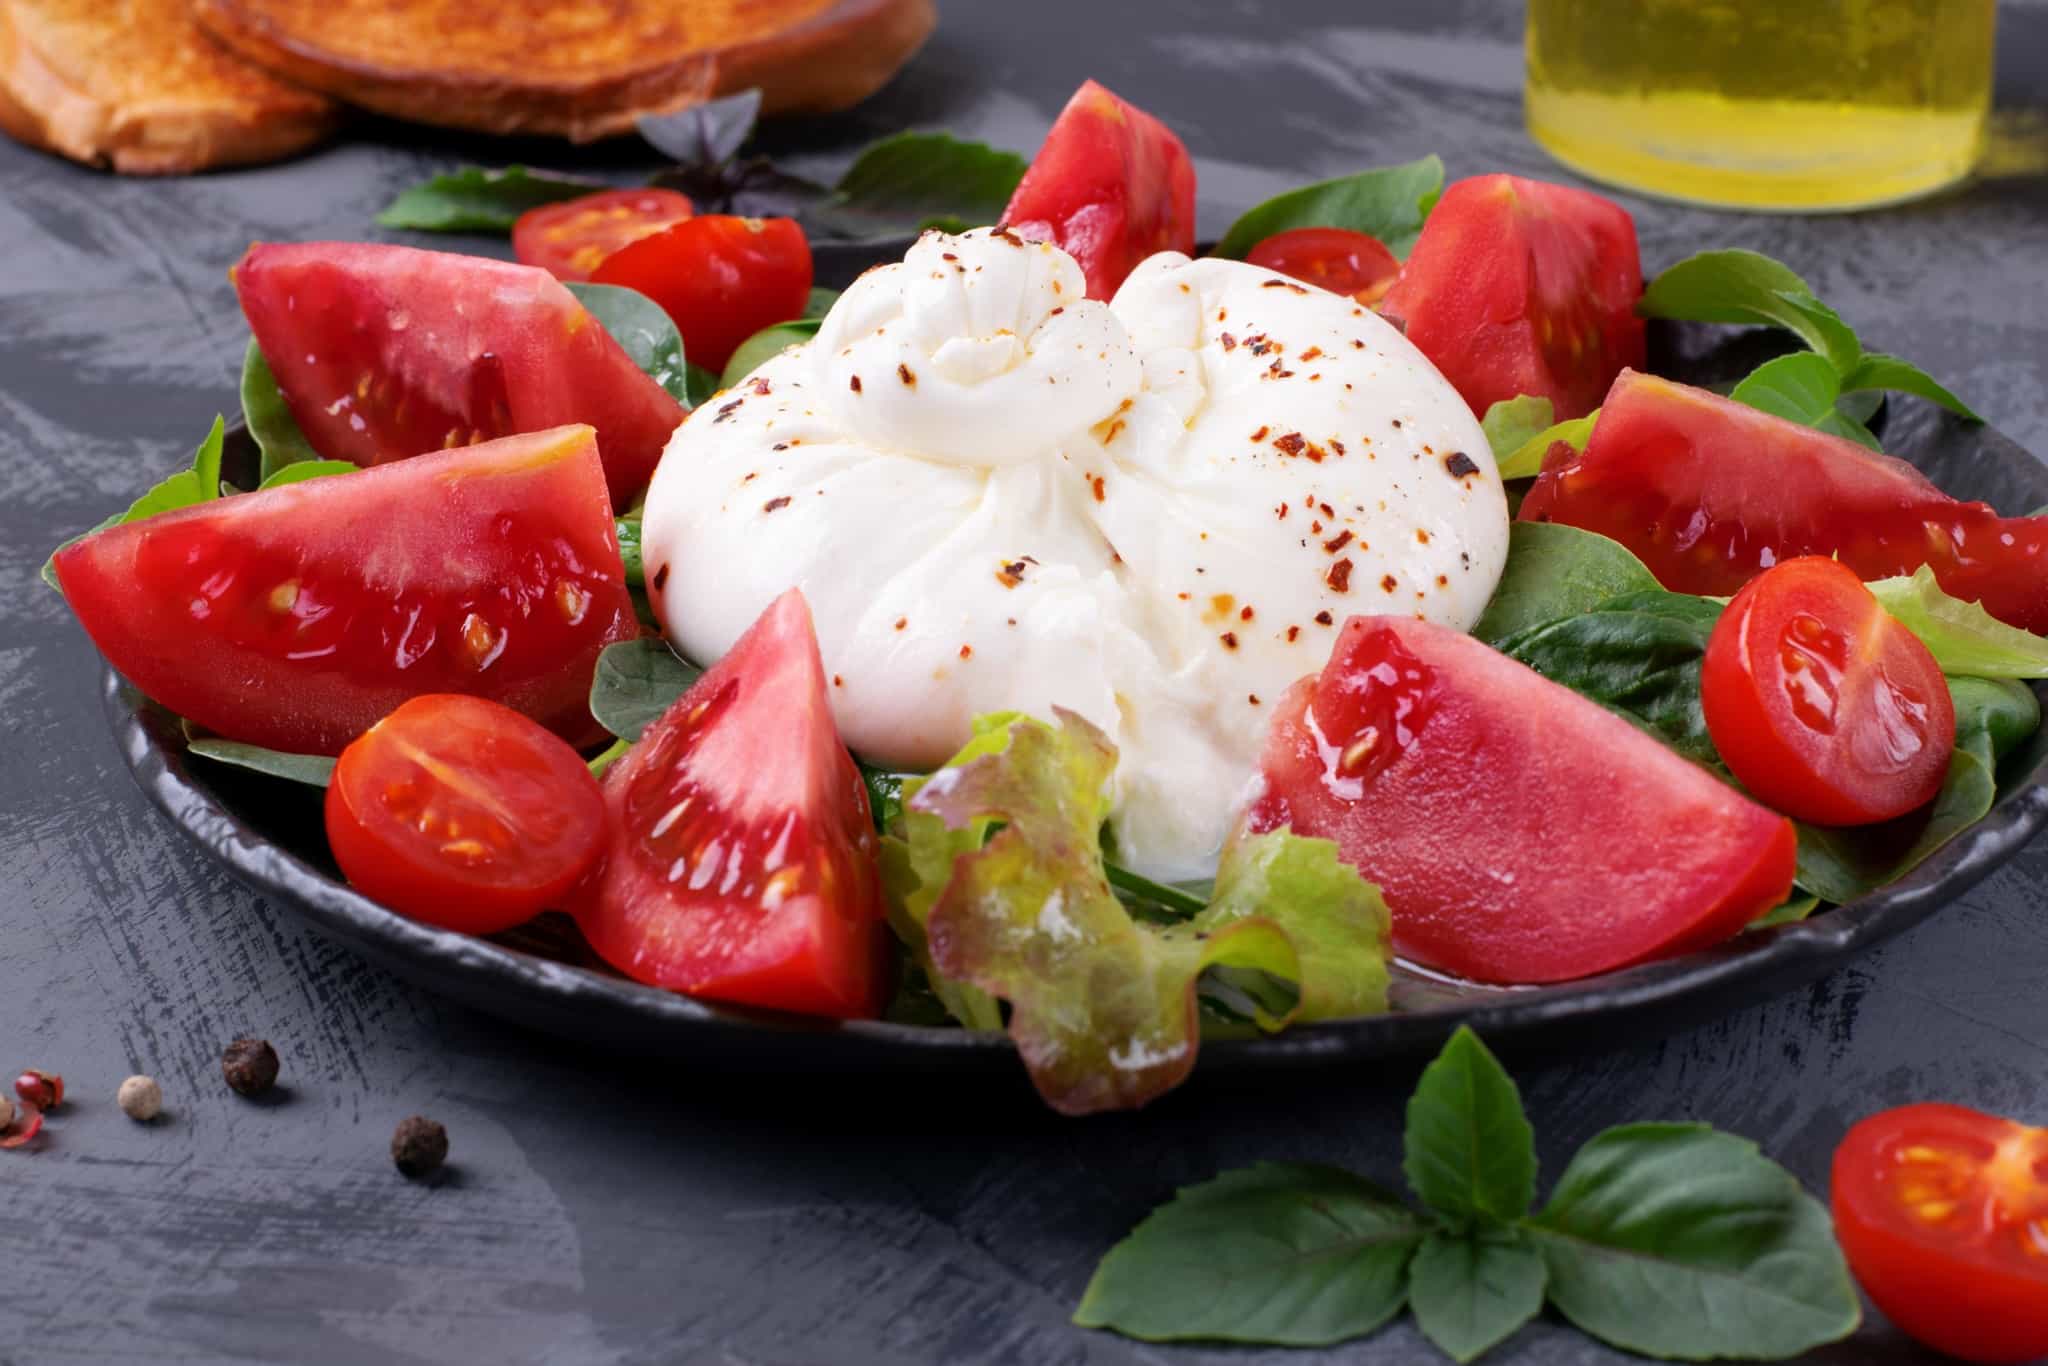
<point>1792,105</point>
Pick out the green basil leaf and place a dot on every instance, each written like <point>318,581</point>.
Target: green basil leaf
<point>302,470</point>
<point>1804,388</point>
<point>1468,1150</point>
<point>643,329</point>
<point>270,422</point>
<point>1791,910</point>
<point>1879,371</point>
<point>1390,203</point>
<point>820,302</point>
<point>1673,1240</point>
<point>702,385</point>
<point>636,681</point>
<point>1284,1253</point>
<point>198,483</point>
<point>764,346</point>
<point>1962,636</point>
<point>706,135</point>
<point>1643,664</point>
<point>315,770</point>
<point>1470,1292</point>
<point>1738,286</point>
<point>912,181</point>
<point>473,199</point>
<point>1557,571</point>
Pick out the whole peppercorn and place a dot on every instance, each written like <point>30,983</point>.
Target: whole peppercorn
<point>419,1146</point>
<point>140,1098</point>
<point>44,1090</point>
<point>250,1065</point>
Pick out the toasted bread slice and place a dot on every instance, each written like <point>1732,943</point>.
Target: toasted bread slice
<point>136,85</point>
<point>583,69</point>
<point>833,60</point>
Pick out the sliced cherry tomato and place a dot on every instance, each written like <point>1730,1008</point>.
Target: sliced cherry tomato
<point>384,352</point>
<point>1522,287</point>
<point>1519,832</point>
<point>299,616</point>
<point>742,864</point>
<point>721,278</point>
<point>1943,1214</point>
<point>1111,186</point>
<point>1338,259</point>
<point>1708,492</point>
<point>464,814</point>
<point>1821,704</point>
<point>572,238</point>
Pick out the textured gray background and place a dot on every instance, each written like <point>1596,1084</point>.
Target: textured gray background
<point>603,1211</point>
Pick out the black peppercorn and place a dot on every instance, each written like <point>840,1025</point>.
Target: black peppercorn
<point>419,1146</point>
<point>250,1065</point>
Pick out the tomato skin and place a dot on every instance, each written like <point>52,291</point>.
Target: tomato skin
<point>459,812</point>
<point>298,617</point>
<point>1970,1280</point>
<point>572,238</point>
<point>742,857</point>
<point>719,277</point>
<point>1519,832</point>
<point>1708,492</point>
<point>1823,706</point>
<point>1336,259</point>
<point>384,352</point>
<point>1111,186</point>
<point>1523,287</point>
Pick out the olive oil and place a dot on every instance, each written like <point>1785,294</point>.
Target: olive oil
<point>1794,105</point>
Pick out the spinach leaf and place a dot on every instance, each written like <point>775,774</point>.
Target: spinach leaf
<point>1471,1291</point>
<point>315,770</point>
<point>1557,571</point>
<point>197,484</point>
<point>764,346</point>
<point>270,422</point>
<point>1274,1253</point>
<point>1962,636</point>
<point>702,385</point>
<point>704,135</point>
<point>636,681</point>
<point>1738,286</point>
<point>1644,664</point>
<point>300,471</point>
<point>473,199</point>
<point>1468,1151</point>
<point>1804,388</point>
<point>1879,371</point>
<point>1673,1240</point>
<point>643,329</point>
<point>1389,203</point>
<point>913,181</point>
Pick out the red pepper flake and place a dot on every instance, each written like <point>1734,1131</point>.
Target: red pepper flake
<point>1011,572</point>
<point>1182,596</point>
<point>1057,311</point>
<point>1257,344</point>
<point>1357,345</point>
<point>1115,426</point>
<point>1280,513</point>
<point>1421,536</point>
<point>759,384</point>
<point>903,373</point>
<point>1339,577</point>
<point>1005,235</point>
<point>775,503</point>
<point>1290,444</point>
<point>1315,528</point>
<point>1312,353</point>
<point>660,578</point>
<point>726,410</point>
<point>1274,371</point>
<point>1326,510</point>
<point>1339,541</point>
<point>779,446</point>
<point>1443,581</point>
<point>1246,614</point>
<point>947,256</point>
<point>1316,453</point>
<point>1229,342</point>
<point>1336,445</point>
<point>967,652</point>
<point>1323,618</point>
<point>1292,632</point>
<point>1221,314</point>
<point>854,384</point>
<point>1397,422</point>
<point>902,622</point>
<point>1460,464</point>
<point>837,681</point>
<point>1229,639</point>
<point>1253,698</point>
<point>1095,482</point>
<point>1389,584</point>
<point>1260,434</point>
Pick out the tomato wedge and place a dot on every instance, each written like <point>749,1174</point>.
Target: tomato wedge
<point>384,352</point>
<point>298,617</point>
<point>742,864</point>
<point>1709,492</point>
<point>461,813</point>
<point>720,278</point>
<point>1519,832</point>
<point>1822,705</point>
<point>1943,1214</point>
<point>1523,287</point>
<point>1111,186</point>
<point>1338,259</point>
<point>572,238</point>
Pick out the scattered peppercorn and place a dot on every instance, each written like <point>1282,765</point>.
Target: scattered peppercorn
<point>140,1098</point>
<point>44,1090</point>
<point>418,1146</point>
<point>250,1065</point>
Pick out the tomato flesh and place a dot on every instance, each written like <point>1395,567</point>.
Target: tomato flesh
<point>1942,1212</point>
<point>720,278</point>
<point>1111,186</point>
<point>462,813</point>
<point>571,239</point>
<point>1709,492</point>
<point>1337,259</point>
<point>742,858</point>
<point>299,616</point>
<point>1519,832</point>
<point>384,352</point>
<point>1523,287</point>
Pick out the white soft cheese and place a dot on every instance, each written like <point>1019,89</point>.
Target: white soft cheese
<point>998,494</point>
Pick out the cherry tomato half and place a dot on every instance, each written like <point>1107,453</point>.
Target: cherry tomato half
<point>571,239</point>
<point>462,813</point>
<point>1943,1214</point>
<point>1821,704</point>
<point>1338,259</point>
<point>721,278</point>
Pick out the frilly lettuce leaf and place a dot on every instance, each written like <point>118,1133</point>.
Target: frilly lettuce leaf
<point>1962,636</point>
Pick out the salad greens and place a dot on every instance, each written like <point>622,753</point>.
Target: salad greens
<point>473,199</point>
<point>1555,571</point>
<point>197,484</point>
<point>643,329</point>
<point>914,181</point>
<point>1389,203</point>
<point>1672,1240</point>
<point>271,424</point>
<point>1803,387</point>
<point>315,770</point>
<point>1962,636</point>
<point>636,681</point>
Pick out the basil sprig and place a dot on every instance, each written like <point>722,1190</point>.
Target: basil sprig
<point>1389,203</point>
<point>474,199</point>
<point>1672,1240</point>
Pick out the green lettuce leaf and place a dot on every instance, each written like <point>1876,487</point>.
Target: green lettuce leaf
<point>1390,203</point>
<point>1556,571</point>
<point>1962,636</point>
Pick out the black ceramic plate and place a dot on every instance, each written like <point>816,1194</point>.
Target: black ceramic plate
<point>268,832</point>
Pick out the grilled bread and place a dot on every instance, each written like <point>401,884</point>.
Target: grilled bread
<point>135,84</point>
<point>583,69</point>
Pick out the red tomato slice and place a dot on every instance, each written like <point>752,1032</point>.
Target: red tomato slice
<point>1338,259</point>
<point>384,352</point>
<point>1943,1214</point>
<point>571,239</point>
<point>1111,186</point>
<point>1522,287</point>
<point>721,278</point>
<point>464,814</point>
<point>742,862</point>
<point>298,617</point>
<point>1519,832</point>
<point>1822,705</point>
<point>1709,492</point>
